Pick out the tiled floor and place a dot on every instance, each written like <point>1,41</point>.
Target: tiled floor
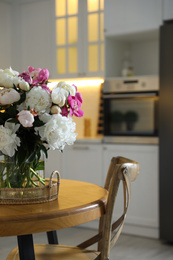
<point>127,247</point>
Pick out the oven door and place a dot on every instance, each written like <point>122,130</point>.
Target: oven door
<point>131,114</point>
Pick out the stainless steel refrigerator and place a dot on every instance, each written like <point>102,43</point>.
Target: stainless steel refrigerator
<point>166,132</point>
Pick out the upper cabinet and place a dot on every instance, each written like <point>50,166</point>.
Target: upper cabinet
<point>67,36</point>
<point>79,38</point>
<point>124,17</point>
<point>132,37</point>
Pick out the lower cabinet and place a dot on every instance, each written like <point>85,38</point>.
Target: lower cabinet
<point>90,162</point>
<point>143,214</point>
<point>83,162</point>
<point>54,162</point>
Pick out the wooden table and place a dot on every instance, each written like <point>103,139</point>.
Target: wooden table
<point>77,203</point>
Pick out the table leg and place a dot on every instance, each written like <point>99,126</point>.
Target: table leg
<point>52,237</point>
<point>26,247</point>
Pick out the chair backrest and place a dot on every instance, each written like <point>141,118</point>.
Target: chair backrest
<point>120,169</point>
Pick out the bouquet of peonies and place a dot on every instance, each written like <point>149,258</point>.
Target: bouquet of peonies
<point>33,119</point>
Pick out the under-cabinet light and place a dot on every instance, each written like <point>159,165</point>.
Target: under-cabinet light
<point>85,82</point>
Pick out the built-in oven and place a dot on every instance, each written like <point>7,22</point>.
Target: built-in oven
<point>131,109</point>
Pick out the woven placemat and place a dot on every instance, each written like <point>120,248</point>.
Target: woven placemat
<point>44,193</point>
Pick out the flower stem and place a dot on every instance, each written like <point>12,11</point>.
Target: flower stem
<point>39,178</point>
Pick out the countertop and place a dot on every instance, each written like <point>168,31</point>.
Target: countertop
<point>118,140</point>
<point>89,140</point>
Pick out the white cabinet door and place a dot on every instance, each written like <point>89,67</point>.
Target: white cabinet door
<point>167,10</point>
<point>79,49</point>
<point>83,162</point>
<point>143,210</point>
<point>53,162</point>
<point>130,16</point>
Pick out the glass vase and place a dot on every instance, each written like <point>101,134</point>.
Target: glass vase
<point>26,175</point>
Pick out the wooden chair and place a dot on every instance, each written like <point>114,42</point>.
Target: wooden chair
<point>120,169</point>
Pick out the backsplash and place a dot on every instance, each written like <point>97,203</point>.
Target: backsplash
<point>90,106</point>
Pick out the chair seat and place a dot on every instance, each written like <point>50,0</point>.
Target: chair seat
<point>54,252</point>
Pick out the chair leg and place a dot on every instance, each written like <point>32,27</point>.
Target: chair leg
<point>52,237</point>
<point>26,248</point>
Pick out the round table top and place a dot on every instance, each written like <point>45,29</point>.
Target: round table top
<point>77,203</point>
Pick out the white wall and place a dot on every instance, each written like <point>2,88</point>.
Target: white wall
<point>5,34</point>
<point>36,34</point>
<point>27,34</point>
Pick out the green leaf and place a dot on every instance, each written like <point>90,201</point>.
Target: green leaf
<point>44,150</point>
<point>1,121</point>
<point>38,153</point>
<point>14,86</point>
<point>11,111</point>
<point>40,166</point>
<point>31,158</point>
<point>21,155</point>
<point>13,120</point>
<point>22,98</point>
<point>38,122</point>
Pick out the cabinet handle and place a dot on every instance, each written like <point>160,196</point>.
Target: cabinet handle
<point>83,74</point>
<point>81,148</point>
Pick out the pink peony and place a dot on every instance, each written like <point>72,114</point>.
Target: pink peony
<point>64,111</point>
<point>26,118</point>
<point>43,75</point>
<point>75,105</point>
<point>25,75</point>
<point>33,72</point>
<point>45,87</point>
<point>39,76</point>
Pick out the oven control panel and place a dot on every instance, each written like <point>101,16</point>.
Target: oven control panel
<point>131,84</point>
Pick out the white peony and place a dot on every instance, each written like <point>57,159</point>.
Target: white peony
<point>58,131</point>
<point>59,96</point>
<point>8,77</point>
<point>23,85</point>
<point>11,72</point>
<point>8,96</point>
<point>61,92</point>
<point>8,138</point>
<point>69,88</point>
<point>55,110</point>
<point>38,99</point>
<point>45,117</point>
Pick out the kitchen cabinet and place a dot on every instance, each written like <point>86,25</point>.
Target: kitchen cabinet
<point>79,38</point>
<point>140,51</point>
<point>132,37</point>
<point>53,162</point>
<point>126,17</point>
<point>83,162</point>
<point>143,210</point>
<point>167,10</point>
<point>89,162</point>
